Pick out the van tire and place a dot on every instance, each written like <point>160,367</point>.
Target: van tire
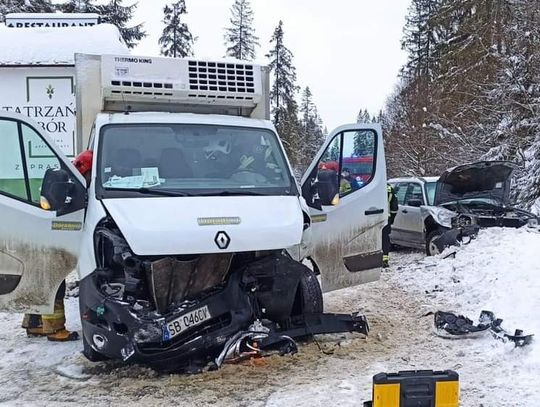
<point>309,293</point>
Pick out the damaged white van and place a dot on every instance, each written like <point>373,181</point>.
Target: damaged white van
<point>192,235</point>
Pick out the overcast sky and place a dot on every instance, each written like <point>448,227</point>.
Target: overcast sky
<point>347,51</point>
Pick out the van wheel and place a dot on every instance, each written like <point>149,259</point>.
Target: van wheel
<point>91,354</point>
<point>432,247</point>
<point>309,299</point>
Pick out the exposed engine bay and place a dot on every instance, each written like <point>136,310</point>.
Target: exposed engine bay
<point>488,214</point>
<point>180,313</point>
<point>468,218</point>
<point>157,284</point>
<point>470,197</point>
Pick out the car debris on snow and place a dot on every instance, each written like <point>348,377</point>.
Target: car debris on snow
<point>449,324</point>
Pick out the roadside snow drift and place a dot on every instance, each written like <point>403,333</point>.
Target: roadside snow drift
<point>498,271</point>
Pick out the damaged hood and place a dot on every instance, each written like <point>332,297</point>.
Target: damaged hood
<point>196,225</point>
<point>484,179</point>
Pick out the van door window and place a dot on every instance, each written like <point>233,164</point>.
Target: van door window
<point>328,172</point>
<point>12,179</point>
<point>357,163</point>
<point>24,158</point>
<point>39,158</point>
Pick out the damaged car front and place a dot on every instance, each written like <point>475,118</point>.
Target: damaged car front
<point>470,197</point>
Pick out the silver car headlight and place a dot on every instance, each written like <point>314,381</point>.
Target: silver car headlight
<point>532,222</point>
<point>444,217</point>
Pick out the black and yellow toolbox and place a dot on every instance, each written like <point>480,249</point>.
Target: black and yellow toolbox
<point>415,388</point>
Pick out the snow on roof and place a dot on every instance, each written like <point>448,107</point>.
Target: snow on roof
<point>47,16</point>
<point>57,46</point>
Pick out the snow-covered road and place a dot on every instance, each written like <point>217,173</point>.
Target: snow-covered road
<point>498,271</point>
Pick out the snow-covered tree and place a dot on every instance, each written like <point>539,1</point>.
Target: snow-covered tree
<point>312,134</point>
<point>79,6</point>
<point>240,38</point>
<point>176,40</point>
<point>24,6</point>
<point>283,95</point>
<point>363,116</point>
<point>115,13</point>
<point>308,110</point>
<point>469,90</point>
<point>284,89</point>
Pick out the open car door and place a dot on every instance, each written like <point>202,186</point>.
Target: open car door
<point>38,247</point>
<point>345,188</point>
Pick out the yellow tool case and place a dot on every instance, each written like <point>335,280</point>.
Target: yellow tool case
<point>415,388</point>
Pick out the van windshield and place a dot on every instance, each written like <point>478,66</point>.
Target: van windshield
<point>190,160</point>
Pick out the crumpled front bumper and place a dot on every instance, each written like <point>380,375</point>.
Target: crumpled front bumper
<point>455,236</point>
<point>113,329</point>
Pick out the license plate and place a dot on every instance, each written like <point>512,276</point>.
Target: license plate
<point>186,321</point>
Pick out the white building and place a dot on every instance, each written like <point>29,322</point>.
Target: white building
<point>37,68</point>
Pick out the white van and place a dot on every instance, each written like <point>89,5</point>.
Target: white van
<point>192,226</point>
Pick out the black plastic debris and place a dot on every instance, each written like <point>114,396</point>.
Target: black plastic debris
<point>450,325</point>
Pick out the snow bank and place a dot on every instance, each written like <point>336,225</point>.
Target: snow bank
<point>536,207</point>
<point>499,271</point>
<point>57,46</point>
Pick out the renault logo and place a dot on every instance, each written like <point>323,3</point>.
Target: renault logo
<point>222,240</point>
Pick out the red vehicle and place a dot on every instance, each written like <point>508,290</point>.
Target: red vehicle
<point>360,168</point>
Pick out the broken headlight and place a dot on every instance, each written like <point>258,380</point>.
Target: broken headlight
<point>442,216</point>
<point>462,221</point>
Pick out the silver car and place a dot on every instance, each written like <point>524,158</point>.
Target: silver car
<point>408,229</point>
<point>437,212</point>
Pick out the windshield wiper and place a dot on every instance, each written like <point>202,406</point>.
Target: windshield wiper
<point>152,191</point>
<point>231,193</point>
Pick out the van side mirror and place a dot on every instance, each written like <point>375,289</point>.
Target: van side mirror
<point>60,193</point>
<point>327,187</point>
<point>311,194</point>
<point>417,203</point>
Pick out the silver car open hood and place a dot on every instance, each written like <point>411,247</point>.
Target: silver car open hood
<point>484,179</point>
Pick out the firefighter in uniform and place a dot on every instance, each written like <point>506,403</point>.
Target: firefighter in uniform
<point>392,211</point>
<point>53,325</point>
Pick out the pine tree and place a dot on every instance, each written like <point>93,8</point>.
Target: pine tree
<point>513,99</point>
<point>79,6</point>
<point>284,87</point>
<point>363,116</point>
<point>379,118</point>
<point>312,135</point>
<point>115,13</point>
<point>307,107</point>
<point>283,96</point>
<point>176,40</point>
<point>240,39</point>
<point>363,145</point>
<point>469,90</point>
<point>25,6</point>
